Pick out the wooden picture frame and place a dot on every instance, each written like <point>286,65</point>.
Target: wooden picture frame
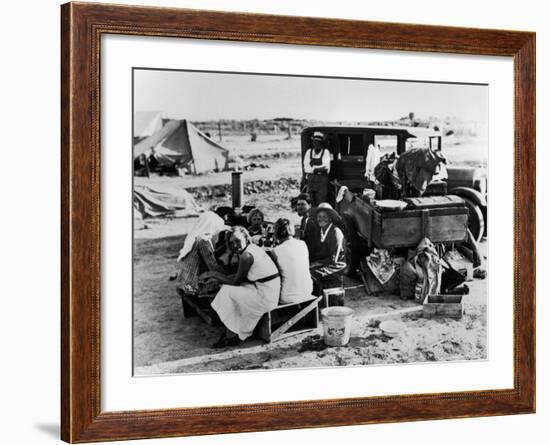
<point>82,26</point>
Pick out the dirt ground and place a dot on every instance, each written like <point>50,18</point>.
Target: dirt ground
<point>167,343</point>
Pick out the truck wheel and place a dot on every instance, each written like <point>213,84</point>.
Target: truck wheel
<point>476,221</point>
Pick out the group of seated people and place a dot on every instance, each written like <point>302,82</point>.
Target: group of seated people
<point>250,279</point>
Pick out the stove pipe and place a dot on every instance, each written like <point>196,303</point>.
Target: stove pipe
<point>237,191</point>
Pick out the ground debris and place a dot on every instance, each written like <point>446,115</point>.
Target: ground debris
<point>480,273</point>
<point>380,336</point>
<point>428,355</point>
<point>312,343</point>
<point>259,186</point>
<point>245,367</point>
<point>373,323</point>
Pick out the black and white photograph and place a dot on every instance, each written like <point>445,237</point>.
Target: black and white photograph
<point>294,222</point>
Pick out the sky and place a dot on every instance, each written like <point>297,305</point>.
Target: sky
<point>201,96</point>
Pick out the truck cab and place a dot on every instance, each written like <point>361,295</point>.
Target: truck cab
<point>348,147</point>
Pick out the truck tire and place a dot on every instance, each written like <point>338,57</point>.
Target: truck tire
<point>476,221</point>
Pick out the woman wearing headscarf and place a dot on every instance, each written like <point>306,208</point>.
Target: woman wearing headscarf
<point>249,293</point>
<point>198,253</point>
<point>329,254</point>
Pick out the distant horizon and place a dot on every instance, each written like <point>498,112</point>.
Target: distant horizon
<point>214,96</point>
<point>297,119</point>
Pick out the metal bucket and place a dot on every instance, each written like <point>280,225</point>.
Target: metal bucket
<point>337,325</point>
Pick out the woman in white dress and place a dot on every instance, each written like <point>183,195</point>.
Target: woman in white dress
<point>249,293</point>
<point>292,258</point>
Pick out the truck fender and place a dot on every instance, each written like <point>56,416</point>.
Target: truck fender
<point>471,194</point>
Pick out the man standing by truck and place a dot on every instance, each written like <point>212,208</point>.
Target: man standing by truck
<point>317,167</point>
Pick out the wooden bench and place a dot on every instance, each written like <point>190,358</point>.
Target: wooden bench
<point>283,321</point>
<point>289,319</point>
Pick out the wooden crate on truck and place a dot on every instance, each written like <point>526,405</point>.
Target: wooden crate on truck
<point>441,219</point>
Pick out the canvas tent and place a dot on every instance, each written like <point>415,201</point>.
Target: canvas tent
<point>179,141</point>
<point>146,123</point>
<point>164,201</point>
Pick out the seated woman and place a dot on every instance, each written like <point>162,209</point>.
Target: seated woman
<point>200,252</point>
<point>292,259</point>
<point>249,293</point>
<point>256,227</point>
<point>328,260</point>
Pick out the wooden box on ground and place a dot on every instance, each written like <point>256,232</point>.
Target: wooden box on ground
<point>335,296</point>
<point>443,306</point>
<point>289,319</point>
<point>199,306</point>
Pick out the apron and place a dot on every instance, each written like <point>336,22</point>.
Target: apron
<point>317,182</point>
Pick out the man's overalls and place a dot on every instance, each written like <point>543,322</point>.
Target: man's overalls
<point>317,182</point>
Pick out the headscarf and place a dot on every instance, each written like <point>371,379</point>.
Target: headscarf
<point>208,224</point>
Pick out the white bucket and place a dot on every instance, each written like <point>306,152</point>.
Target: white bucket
<point>337,325</point>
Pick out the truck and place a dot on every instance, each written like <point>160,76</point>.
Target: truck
<point>463,202</point>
